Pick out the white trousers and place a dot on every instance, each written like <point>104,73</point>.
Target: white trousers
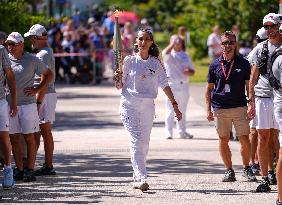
<point>181,95</point>
<point>137,115</point>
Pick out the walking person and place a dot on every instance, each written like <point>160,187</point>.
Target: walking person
<point>46,107</point>
<point>261,105</point>
<point>228,79</point>
<point>6,74</point>
<point>178,67</point>
<point>26,122</point>
<point>142,74</point>
<point>277,73</point>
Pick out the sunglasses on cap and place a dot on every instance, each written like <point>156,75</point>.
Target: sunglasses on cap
<point>268,27</point>
<point>224,43</point>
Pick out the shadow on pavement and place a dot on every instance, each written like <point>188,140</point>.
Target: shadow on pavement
<point>88,178</point>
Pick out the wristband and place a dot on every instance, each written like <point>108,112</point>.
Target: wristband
<point>174,103</point>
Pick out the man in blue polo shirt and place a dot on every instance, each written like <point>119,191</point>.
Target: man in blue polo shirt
<point>228,79</point>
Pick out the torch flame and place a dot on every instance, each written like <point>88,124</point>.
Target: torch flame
<point>117,13</point>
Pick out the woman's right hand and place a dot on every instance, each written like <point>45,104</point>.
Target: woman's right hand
<point>117,76</point>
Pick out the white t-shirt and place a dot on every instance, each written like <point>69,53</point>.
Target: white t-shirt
<point>277,72</point>
<point>175,63</point>
<point>141,78</point>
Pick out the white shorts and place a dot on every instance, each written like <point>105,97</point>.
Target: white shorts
<point>278,117</point>
<point>4,115</point>
<point>253,123</point>
<point>26,121</point>
<point>265,114</point>
<point>47,108</point>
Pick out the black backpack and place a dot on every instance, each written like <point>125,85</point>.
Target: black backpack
<point>262,61</point>
<point>274,83</point>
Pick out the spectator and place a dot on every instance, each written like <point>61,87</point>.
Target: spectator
<point>213,43</point>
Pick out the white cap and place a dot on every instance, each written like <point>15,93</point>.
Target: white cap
<point>261,33</point>
<point>91,20</point>
<point>15,37</point>
<point>272,17</point>
<point>36,30</point>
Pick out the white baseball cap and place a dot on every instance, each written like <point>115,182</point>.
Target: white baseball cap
<point>35,30</point>
<point>15,37</point>
<point>261,33</point>
<point>273,18</point>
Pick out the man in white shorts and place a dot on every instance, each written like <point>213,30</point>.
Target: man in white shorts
<point>26,122</point>
<point>277,72</point>
<point>261,36</point>
<point>46,106</point>
<point>178,67</point>
<point>7,74</point>
<point>261,103</point>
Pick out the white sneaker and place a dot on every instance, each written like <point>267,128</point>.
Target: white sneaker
<point>186,135</point>
<point>143,186</point>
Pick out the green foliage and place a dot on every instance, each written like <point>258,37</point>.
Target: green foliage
<point>199,16</point>
<point>15,16</point>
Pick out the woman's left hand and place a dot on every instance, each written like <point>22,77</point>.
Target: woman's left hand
<point>178,114</point>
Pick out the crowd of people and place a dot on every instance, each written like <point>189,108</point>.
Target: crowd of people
<point>83,50</point>
<point>230,76</point>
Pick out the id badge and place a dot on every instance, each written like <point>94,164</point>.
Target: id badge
<point>227,88</point>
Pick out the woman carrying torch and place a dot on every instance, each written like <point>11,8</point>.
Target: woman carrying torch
<point>139,79</point>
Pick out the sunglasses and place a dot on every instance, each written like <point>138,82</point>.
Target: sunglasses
<point>269,27</point>
<point>12,44</point>
<point>224,43</point>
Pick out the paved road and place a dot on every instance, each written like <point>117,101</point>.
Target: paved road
<point>93,163</point>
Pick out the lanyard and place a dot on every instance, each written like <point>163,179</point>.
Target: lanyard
<point>223,70</point>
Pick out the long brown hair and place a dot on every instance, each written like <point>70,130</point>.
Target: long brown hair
<point>154,49</point>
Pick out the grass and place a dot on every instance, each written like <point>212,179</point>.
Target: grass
<point>201,65</point>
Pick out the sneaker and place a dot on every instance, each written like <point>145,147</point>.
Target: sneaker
<point>169,138</point>
<point>255,168</point>
<point>278,202</point>
<point>249,175</point>
<point>272,177</point>
<point>45,170</point>
<point>186,135</point>
<point>264,185</point>
<point>229,176</point>
<point>29,175</point>
<point>8,180</point>
<point>143,186</point>
<point>18,174</point>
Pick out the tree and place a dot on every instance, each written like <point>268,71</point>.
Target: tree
<point>199,16</point>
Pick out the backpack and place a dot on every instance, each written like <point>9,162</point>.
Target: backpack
<point>274,83</point>
<point>262,61</point>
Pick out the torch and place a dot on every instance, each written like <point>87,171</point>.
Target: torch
<point>117,50</point>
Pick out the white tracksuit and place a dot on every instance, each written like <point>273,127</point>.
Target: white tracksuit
<point>175,63</point>
<point>141,79</point>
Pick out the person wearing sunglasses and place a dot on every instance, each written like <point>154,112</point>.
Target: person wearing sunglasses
<point>46,107</point>
<point>26,122</point>
<point>277,72</point>
<point>261,107</point>
<point>228,79</point>
<point>6,74</point>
